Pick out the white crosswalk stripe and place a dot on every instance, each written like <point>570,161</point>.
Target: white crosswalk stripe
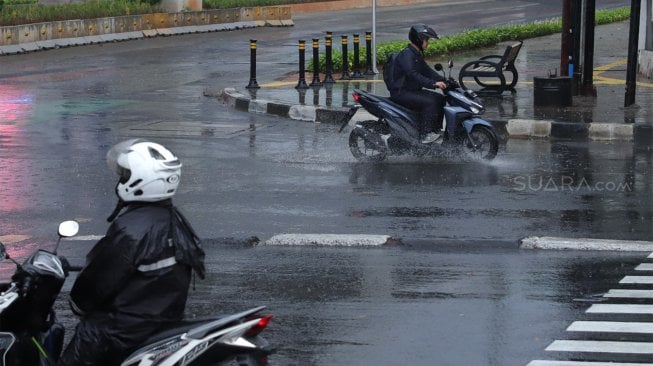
<point>635,294</point>
<point>583,363</point>
<point>602,347</point>
<point>611,327</point>
<point>617,333</point>
<point>621,309</point>
<point>644,267</point>
<point>644,280</point>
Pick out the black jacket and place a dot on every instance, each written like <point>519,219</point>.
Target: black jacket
<point>142,268</point>
<point>411,73</point>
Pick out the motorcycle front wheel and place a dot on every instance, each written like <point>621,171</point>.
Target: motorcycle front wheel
<point>481,144</point>
<point>364,150</point>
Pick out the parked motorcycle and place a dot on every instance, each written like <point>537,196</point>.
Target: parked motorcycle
<point>31,335</point>
<point>396,130</point>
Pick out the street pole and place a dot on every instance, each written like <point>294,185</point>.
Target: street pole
<point>648,18</point>
<point>565,42</point>
<point>631,70</point>
<point>588,55</point>
<point>376,71</point>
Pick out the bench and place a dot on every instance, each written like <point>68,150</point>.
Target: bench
<point>493,67</point>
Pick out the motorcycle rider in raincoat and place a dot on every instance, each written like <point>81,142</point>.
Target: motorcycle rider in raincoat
<point>136,278</point>
<point>412,80</point>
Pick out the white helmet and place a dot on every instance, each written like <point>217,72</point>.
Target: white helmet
<point>148,171</point>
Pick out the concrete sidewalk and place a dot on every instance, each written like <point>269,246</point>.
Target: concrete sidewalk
<point>599,118</point>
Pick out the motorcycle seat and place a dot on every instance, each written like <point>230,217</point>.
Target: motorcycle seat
<point>379,99</point>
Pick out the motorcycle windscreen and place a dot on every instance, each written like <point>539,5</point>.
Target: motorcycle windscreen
<point>6,341</point>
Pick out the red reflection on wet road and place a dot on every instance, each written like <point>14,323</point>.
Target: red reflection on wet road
<point>15,110</point>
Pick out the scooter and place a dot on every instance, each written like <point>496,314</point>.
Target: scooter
<point>30,334</point>
<point>396,130</point>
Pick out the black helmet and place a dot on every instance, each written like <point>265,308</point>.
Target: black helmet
<point>420,32</point>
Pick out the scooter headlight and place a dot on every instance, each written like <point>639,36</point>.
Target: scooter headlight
<point>475,110</point>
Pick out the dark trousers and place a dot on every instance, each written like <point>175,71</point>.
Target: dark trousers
<point>428,104</point>
<point>103,340</point>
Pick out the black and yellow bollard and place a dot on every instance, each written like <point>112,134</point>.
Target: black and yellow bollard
<point>252,66</point>
<point>316,63</point>
<point>328,46</point>
<point>301,84</point>
<point>345,59</point>
<point>368,53</point>
<point>356,72</point>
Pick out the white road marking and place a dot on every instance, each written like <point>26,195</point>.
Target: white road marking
<point>620,309</point>
<point>583,363</point>
<point>640,348</point>
<point>548,242</point>
<point>634,294</point>
<point>644,267</point>
<point>637,280</point>
<point>611,327</point>
<point>330,240</point>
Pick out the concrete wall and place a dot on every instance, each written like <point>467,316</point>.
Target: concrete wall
<point>353,4</point>
<point>28,33</point>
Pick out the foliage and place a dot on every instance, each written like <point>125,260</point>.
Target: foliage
<point>18,2</point>
<point>35,13</point>
<point>478,38</point>
<point>225,4</point>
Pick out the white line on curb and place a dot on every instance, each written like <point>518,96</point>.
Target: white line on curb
<point>330,240</point>
<point>535,242</point>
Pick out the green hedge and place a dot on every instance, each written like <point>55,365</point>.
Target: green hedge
<point>473,39</point>
<point>35,13</point>
<point>225,4</point>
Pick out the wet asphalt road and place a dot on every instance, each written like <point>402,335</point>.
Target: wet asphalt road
<point>254,175</point>
<point>258,175</point>
<point>448,306</point>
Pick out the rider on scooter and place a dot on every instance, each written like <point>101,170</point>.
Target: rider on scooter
<point>412,76</point>
<point>137,277</point>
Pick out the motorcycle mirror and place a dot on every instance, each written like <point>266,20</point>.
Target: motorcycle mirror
<point>438,66</point>
<point>68,228</point>
<point>450,64</point>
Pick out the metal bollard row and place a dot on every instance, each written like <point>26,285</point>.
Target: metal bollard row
<point>355,73</point>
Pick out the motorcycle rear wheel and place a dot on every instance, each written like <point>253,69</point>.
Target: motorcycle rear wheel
<point>483,144</point>
<point>364,150</point>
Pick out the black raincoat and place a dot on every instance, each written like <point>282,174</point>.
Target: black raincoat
<point>135,280</point>
<point>412,76</point>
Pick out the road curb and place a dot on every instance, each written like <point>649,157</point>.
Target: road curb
<point>300,112</point>
<point>332,240</point>
<point>141,34</point>
<point>512,128</point>
<point>554,243</point>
